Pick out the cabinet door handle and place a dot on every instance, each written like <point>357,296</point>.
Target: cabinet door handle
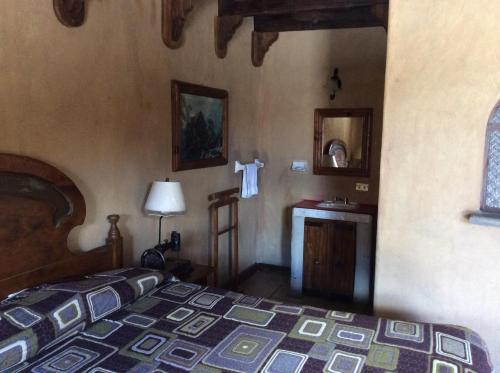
<point>317,262</point>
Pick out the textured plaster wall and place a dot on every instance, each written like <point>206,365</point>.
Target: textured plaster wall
<point>443,79</point>
<point>95,102</point>
<point>295,81</point>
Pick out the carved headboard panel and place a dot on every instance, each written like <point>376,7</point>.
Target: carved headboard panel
<point>39,206</point>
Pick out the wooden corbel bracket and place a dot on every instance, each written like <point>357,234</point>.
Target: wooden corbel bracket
<point>70,13</point>
<point>174,14</point>
<point>261,41</point>
<point>224,29</point>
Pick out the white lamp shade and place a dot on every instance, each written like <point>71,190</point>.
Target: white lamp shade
<point>165,198</point>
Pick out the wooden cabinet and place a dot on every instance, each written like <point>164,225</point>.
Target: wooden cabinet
<point>329,257</point>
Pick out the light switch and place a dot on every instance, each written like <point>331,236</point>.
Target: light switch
<point>362,187</point>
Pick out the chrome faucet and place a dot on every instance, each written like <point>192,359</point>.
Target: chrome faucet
<point>345,200</point>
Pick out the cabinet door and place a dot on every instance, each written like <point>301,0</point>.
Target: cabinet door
<point>329,257</point>
<point>315,267</point>
<point>342,259</point>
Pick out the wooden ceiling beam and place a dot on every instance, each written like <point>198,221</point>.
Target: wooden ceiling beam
<point>251,8</point>
<point>274,16</point>
<point>321,20</point>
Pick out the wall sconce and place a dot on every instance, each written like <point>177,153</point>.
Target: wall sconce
<point>337,83</point>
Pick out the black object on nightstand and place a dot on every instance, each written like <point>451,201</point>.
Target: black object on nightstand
<point>201,274</point>
<point>155,258</point>
<point>178,267</point>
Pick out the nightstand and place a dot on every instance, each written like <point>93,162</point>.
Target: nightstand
<point>201,274</point>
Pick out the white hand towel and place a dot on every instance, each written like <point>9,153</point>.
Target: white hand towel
<point>249,185</point>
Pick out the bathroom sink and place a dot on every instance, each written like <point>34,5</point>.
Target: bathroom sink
<point>337,205</point>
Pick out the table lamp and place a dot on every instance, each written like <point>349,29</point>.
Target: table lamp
<point>165,198</point>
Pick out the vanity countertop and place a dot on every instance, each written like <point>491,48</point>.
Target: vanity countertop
<point>362,209</point>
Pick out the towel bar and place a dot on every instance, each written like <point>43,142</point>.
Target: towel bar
<point>240,167</point>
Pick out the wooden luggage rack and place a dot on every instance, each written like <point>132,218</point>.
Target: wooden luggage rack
<point>222,199</point>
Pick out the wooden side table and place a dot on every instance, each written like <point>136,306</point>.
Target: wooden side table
<point>201,274</point>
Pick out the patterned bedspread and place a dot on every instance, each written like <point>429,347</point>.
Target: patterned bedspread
<point>136,326</point>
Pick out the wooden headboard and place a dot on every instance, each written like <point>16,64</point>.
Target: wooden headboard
<point>39,205</point>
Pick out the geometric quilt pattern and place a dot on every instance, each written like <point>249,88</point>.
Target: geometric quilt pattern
<point>352,336</point>
<point>182,354</point>
<point>180,314</point>
<point>409,335</point>
<point>284,361</point>
<point>313,329</point>
<point>71,359</point>
<point>341,316</point>
<point>139,320</point>
<point>68,314</point>
<point>441,366</point>
<point>197,325</point>
<point>383,357</point>
<point>143,284</point>
<point>22,317</point>
<point>245,349</point>
<point>75,355</point>
<point>453,347</point>
<point>177,292</point>
<point>291,310</point>
<point>205,300</point>
<point>345,362</point>
<point>17,349</point>
<point>248,300</point>
<point>102,329</point>
<point>36,319</point>
<point>147,345</point>
<point>131,320</point>
<point>249,315</point>
<point>102,302</point>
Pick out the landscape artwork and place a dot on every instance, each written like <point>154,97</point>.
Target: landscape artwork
<point>199,131</point>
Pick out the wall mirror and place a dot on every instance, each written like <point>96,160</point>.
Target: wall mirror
<point>342,141</point>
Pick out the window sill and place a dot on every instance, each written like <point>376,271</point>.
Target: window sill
<point>485,218</point>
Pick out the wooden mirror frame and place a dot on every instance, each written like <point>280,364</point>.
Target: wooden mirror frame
<point>319,115</point>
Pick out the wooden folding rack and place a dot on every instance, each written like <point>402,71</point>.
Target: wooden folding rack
<point>222,199</point>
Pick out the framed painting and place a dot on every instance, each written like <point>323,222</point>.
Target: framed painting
<point>199,126</point>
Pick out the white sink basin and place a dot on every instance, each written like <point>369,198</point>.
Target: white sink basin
<point>338,205</point>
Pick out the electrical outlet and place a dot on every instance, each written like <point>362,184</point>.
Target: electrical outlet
<point>362,187</point>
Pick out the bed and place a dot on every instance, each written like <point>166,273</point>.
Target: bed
<point>85,313</point>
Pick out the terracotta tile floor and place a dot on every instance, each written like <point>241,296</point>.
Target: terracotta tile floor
<point>275,284</point>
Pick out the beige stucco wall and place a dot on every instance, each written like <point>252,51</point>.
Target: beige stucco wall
<point>442,81</point>
<point>296,80</point>
<point>95,102</point>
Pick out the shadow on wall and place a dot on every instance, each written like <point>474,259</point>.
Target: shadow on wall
<point>390,313</point>
<point>286,236</point>
<point>128,252</point>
